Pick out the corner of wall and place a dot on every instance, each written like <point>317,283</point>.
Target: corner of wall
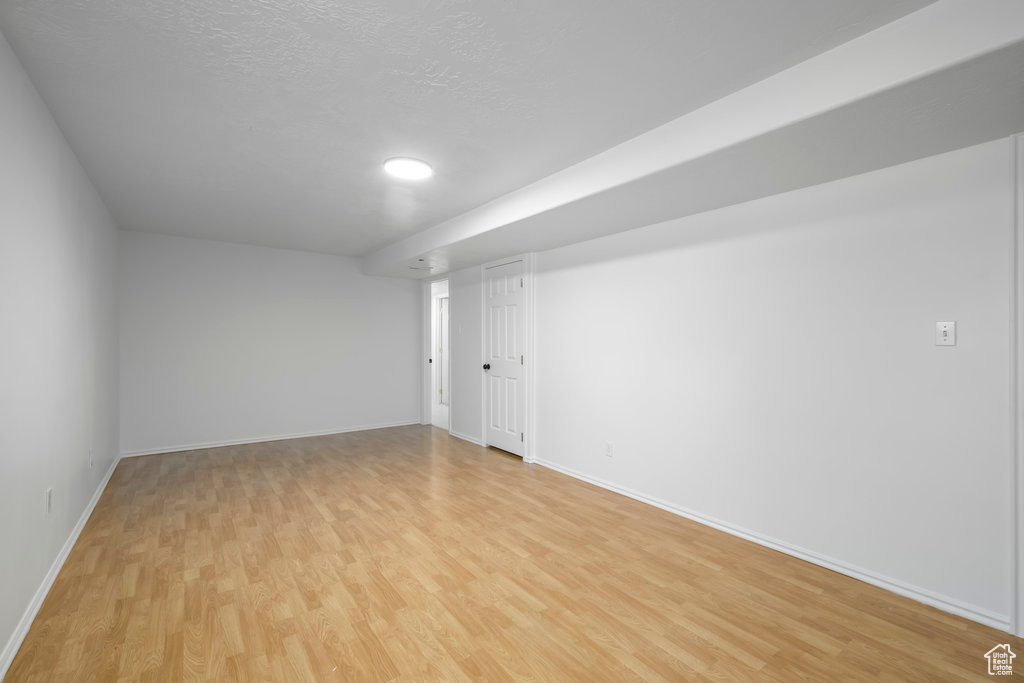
<point>1017,378</point>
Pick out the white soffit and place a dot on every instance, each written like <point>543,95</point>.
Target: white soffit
<point>946,76</point>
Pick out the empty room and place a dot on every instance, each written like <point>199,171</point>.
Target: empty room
<point>459,340</point>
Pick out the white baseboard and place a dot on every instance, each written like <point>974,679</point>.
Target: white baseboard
<point>264,439</point>
<point>470,439</point>
<point>14,642</point>
<point>942,602</point>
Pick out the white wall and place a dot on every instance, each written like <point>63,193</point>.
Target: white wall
<point>771,366</point>
<point>228,343</point>
<point>58,345</point>
<point>467,355</point>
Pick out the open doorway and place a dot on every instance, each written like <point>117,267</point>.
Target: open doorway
<point>440,366</point>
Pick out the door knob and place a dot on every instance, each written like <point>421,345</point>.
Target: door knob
<point>487,366</point>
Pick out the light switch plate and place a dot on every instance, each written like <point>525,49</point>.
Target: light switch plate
<point>945,333</point>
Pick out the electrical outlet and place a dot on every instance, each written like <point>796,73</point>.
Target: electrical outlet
<point>608,449</point>
<point>49,501</point>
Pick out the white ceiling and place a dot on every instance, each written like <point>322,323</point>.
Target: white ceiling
<point>266,121</point>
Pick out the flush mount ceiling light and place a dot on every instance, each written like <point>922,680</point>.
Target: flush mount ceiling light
<point>423,267</point>
<point>408,169</point>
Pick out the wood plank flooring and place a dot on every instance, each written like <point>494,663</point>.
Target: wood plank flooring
<point>406,554</point>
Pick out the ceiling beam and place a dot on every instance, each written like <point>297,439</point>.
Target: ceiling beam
<point>946,76</point>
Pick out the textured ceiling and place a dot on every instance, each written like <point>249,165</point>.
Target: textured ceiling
<point>266,121</point>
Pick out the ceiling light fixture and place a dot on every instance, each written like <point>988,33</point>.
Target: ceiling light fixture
<point>408,169</point>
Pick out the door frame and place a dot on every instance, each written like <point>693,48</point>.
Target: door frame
<point>529,383</point>
<point>439,379</point>
<point>426,349</point>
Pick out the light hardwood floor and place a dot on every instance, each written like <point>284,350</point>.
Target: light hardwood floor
<point>408,554</point>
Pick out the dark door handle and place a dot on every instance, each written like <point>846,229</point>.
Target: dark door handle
<point>487,366</point>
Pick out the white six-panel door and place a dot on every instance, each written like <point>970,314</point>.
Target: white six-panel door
<point>503,357</point>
